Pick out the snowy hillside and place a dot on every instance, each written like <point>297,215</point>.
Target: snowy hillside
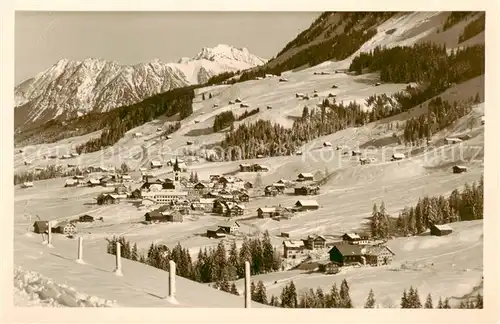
<point>72,88</point>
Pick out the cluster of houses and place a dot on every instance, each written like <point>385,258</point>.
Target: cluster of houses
<point>66,227</point>
<point>247,167</point>
<point>353,249</point>
<point>112,180</point>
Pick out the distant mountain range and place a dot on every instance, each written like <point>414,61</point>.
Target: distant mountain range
<point>74,88</point>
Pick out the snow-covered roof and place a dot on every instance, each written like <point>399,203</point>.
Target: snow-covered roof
<point>307,203</point>
<point>398,155</point>
<point>305,175</point>
<point>293,244</point>
<point>353,236</point>
<point>155,163</point>
<point>443,227</point>
<point>267,209</point>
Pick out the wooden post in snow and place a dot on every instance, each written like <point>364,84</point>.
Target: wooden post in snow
<point>80,250</point>
<point>248,297</point>
<point>118,270</point>
<point>171,280</point>
<point>49,234</point>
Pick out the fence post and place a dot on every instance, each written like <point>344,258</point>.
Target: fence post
<point>80,250</point>
<point>171,281</point>
<point>49,235</point>
<point>248,297</point>
<point>118,270</point>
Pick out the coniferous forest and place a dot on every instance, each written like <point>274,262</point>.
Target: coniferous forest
<point>466,205</point>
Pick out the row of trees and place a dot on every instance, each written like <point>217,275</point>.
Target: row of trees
<point>49,172</point>
<point>223,120</point>
<point>440,114</point>
<point>120,120</point>
<point>454,18</point>
<point>214,265</point>
<point>459,206</point>
<point>473,28</point>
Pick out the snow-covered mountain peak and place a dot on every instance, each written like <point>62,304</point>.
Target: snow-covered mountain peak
<point>223,52</point>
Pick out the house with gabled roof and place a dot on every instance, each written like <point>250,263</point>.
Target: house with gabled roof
<point>293,249</point>
<point>440,230</point>
<point>229,227</point>
<point>304,205</point>
<point>305,176</point>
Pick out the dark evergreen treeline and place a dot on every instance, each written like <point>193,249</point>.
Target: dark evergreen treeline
<point>454,18</point>
<point>118,120</point>
<point>358,27</point>
<point>211,265</point>
<point>440,115</point>
<point>177,101</point>
<point>473,28</point>
<point>219,78</point>
<point>49,172</point>
<point>425,63</point>
<point>458,206</point>
<point>223,120</point>
<point>247,113</point>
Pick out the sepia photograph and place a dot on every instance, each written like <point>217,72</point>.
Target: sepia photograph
<point>249,159</point>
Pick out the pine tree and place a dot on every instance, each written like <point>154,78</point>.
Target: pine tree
<point>260,293</point>
<point>416,299</point>
<point>374,224</point>
<point>203,96</point>
<point>440,303</point>
<point>345,299</point>
<point>446,303</point>
<point>253,295</point>
<point>258,181</point>
<point>404,300</point>
<point>292,291</point>
<point>135,253</point>
<point>370,301</point>
<point>274,301</point>
<point>428,302</point>
<point>210,95</point>
<point>320,298</point>
<point>479,301</point>
<point>234,290</point>
<point>267,253</point>
<point>333,300</point>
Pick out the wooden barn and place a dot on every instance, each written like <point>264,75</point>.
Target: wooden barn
<point>86,219</point>
<point>304,205</point>
<point>459,169</point>
<point>441,230</point>
<point>306,191</point>
<point>230,227</point>
<point>65,228</point>
<point>305,177</point>
<point>215,232</point>
<point>40,227</point>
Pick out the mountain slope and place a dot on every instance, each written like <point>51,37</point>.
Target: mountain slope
<point>71,88</point>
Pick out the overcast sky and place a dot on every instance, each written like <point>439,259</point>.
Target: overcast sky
<point>43,38</point>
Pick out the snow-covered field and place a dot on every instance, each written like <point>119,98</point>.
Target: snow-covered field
<point>445,266</point>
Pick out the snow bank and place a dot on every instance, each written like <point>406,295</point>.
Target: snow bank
<point>33,289</point>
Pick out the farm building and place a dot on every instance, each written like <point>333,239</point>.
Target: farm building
<point>163,214</point>
<point>40,227</point>
<point>397,156</point>
<point>270,191</point>
<point>279,186</point>
<point>156,164</point>
<point>85,219</point>
<point>379,255</point>
<point>229,227</point>
<point>27,185</point>
<point>244,197</point>
<point>138,134</point>
<point>327,144</point>
<point>237,100</point>
<point>303,205</point>
<point>293,249</point>
<point>452,140</point>
<point>305,177</point>
<point>441,230</point>
<point>215,232</point>
<point>245,167</point>
<point>189,142</point>
<point>93,183</point>
<point>313,242</point>
<point>71,183</point>
<point>355,153</point>
<point>266,212</point>
<point>355,238</point>
<point>459,169</point>
<point>328,267</point>
<point>243,105</point>
<point>65,228</point>
<point>306,190</point>
<point>465,137</point>
<point>248,185</point>
<point>347,254</point>
<point>205,204</point>
<point>108,199</point>
<point>235,210</point>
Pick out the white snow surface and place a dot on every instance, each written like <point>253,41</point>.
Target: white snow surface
<point>33,289</point>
